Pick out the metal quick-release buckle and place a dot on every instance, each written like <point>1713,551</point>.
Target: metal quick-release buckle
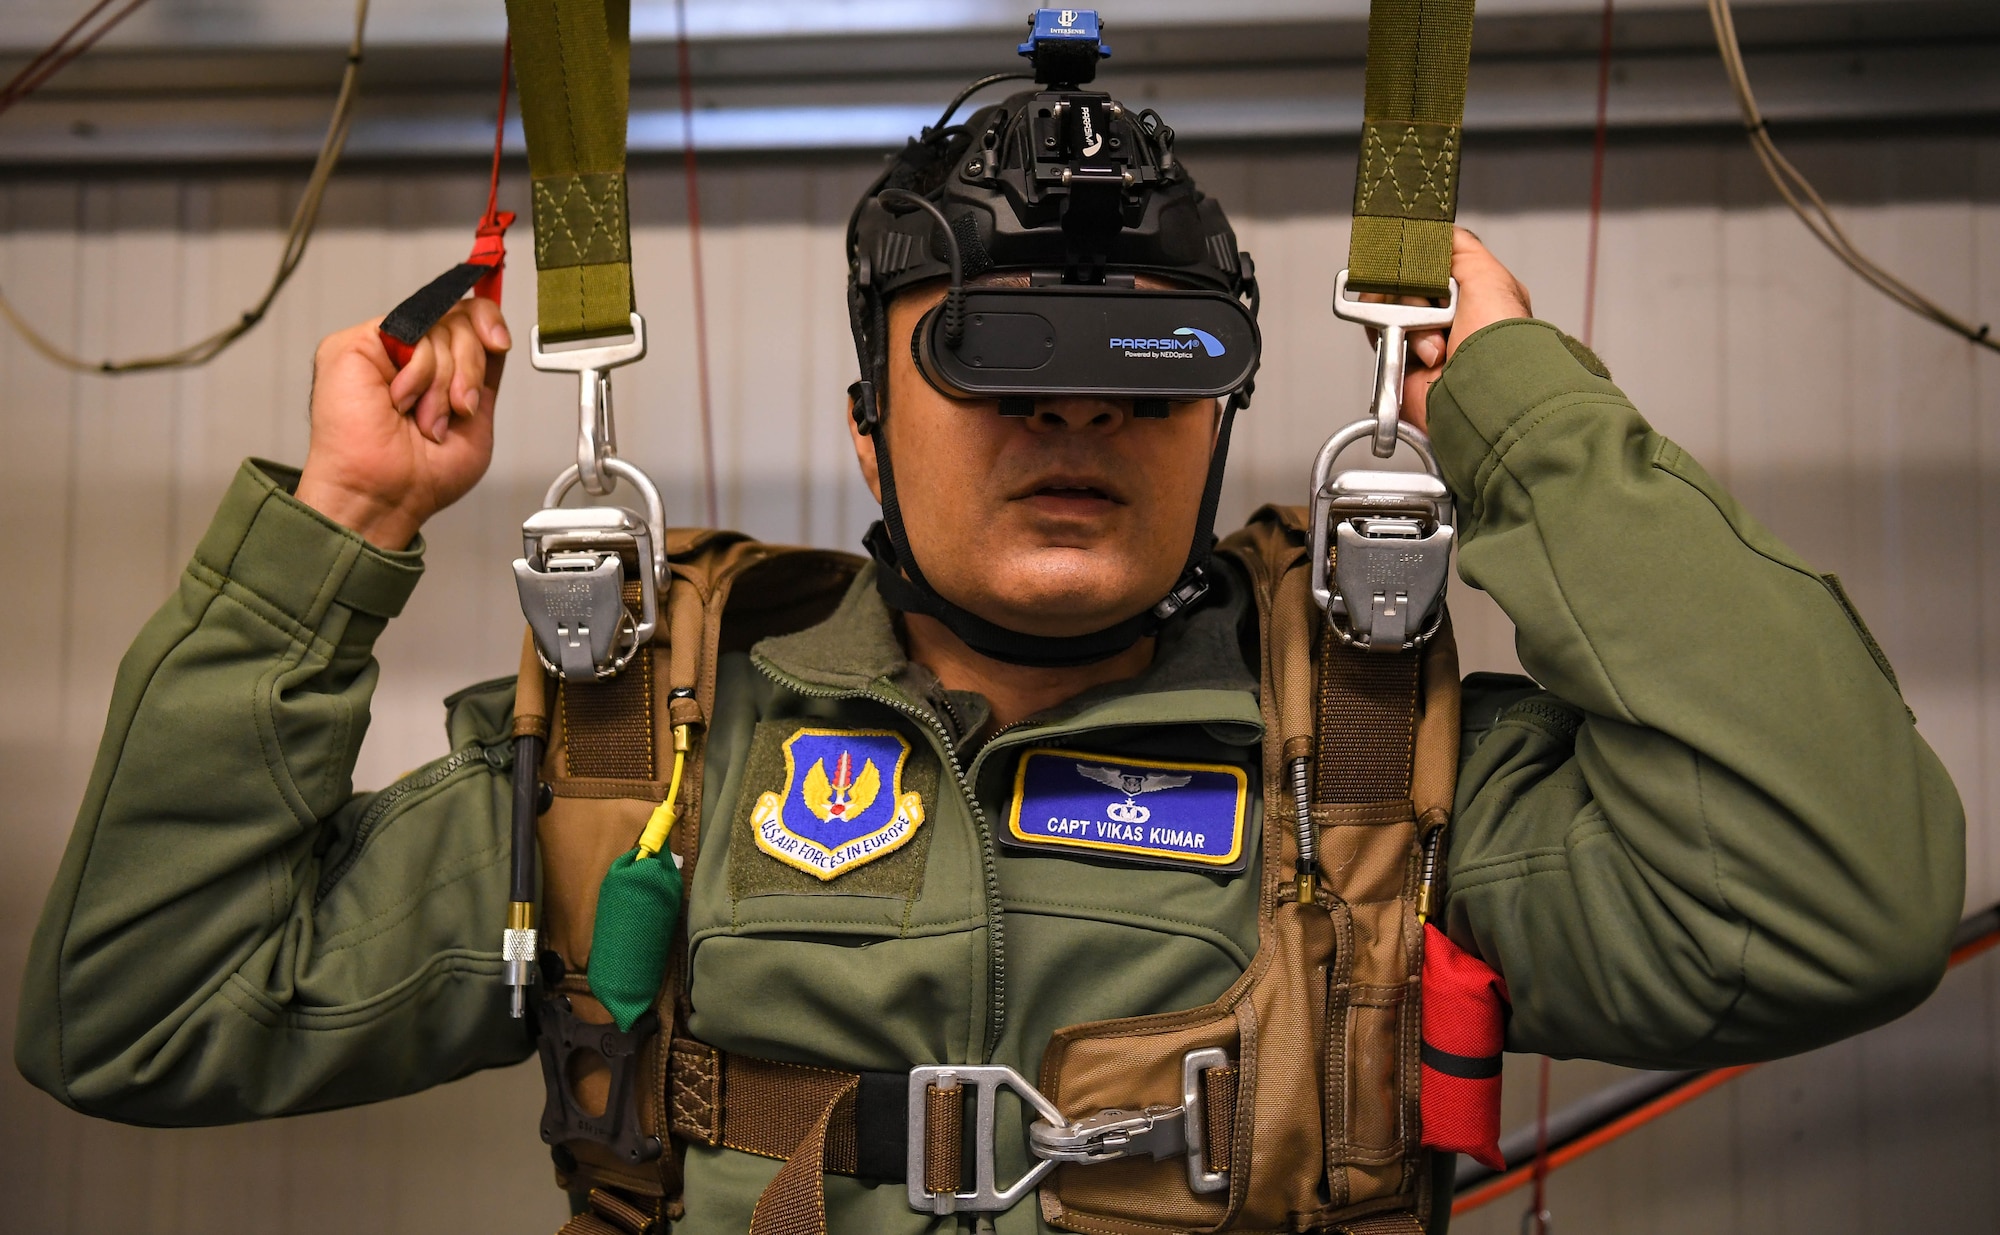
<point>1382,540</point>
<point>1157,1132</point>
<point>575,561</point>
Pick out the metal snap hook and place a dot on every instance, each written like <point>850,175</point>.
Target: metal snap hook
<point>597,432</point>
<point>1392,323</point>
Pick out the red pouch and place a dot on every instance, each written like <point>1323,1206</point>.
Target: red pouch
<point>1465,1029</point>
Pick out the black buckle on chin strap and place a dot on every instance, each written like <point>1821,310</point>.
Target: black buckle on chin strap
<point>564,1036</point>
<point>861,405</point>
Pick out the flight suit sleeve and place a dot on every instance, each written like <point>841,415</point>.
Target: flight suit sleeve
<point>234,932</point>
<point>1714,835</point>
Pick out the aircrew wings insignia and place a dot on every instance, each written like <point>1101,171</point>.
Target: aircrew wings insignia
<point>1127,783</point>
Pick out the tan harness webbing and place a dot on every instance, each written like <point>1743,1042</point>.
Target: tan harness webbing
<point>606,1213</point>
<point>1364,754</point>
<point>1328,1003</point>
<point>1366,724</point>
<point>796,1112</point>
<point>608,743</point>
<point>610,724</point>
<point>1323,1027</point>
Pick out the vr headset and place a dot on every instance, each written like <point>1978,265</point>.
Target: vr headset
<point>1153,347</point>
<point>1079,199</point>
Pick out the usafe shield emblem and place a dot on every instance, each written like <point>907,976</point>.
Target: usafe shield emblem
<point>843,803</point>
<point>1145,810</point>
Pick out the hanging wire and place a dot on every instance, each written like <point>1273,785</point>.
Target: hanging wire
<point>688,167</point>
<point>951,108</point>
<point>57,55</point>
<point>304,218</point>
<point>1811,208</point>
<point>1537,1218</point>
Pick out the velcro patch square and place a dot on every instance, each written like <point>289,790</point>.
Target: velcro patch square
<point>1148,811</point>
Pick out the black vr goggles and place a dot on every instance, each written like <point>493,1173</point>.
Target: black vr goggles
<point>1076,201</point>
<point>1152,347</point>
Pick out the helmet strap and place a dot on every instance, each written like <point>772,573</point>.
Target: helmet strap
<point>902,585</point>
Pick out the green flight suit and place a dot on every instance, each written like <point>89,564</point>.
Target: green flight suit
<point>1710,834</point>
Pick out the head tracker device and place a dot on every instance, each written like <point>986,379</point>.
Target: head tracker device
<point>1077,201</point>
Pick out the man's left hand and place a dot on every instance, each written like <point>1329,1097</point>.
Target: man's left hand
<point>1487,292</point>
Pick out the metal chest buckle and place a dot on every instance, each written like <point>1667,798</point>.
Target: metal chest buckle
<point>572,572</point>
<point>1386,535</point>
<point>575,561</point>
<point>1157,1132</point>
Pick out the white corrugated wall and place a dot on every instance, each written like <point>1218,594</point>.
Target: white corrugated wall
<point>1864,437</point>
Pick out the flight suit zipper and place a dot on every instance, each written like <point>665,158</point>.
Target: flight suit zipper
<point>500,758</point>
<point>996,960</point>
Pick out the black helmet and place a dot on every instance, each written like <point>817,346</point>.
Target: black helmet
<point>1066,187</point>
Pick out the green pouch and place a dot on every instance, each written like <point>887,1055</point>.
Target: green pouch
<point>637,906</point>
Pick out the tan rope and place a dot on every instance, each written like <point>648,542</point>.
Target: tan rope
<point>1811,208</point>
<point>304,218</point>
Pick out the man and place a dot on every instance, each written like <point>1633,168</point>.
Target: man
<point>1706,833</point>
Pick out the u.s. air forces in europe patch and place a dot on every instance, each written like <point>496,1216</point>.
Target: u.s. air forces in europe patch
<point>843,803</point>
<point>1150,811</point>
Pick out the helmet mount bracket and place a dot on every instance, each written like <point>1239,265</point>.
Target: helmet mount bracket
<point>1063,185</point>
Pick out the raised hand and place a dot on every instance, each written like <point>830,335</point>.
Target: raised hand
<point>390,449</point>
<point>1487,292</point>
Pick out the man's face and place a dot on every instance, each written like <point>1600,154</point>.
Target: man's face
<point>1059,523</point>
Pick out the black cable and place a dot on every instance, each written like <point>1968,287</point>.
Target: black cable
<point>954,299</point>
<point>527,806</point>
<point>975,88</point>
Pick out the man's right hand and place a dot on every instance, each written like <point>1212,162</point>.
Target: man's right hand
<point>390,449</point>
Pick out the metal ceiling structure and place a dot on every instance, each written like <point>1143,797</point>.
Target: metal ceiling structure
<point>248,81</point>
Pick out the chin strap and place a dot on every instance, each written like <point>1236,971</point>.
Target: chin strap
<point>903,587</point>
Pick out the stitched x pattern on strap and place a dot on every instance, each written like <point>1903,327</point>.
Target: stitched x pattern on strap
<point>573,61</point>
<point>580,220</point>
<point>1406,188</point>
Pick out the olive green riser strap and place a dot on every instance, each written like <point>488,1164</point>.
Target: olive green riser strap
<point>1406,187</point>
<point>572,60</point>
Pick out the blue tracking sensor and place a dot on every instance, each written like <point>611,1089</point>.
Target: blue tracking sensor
<point>1063,26</point>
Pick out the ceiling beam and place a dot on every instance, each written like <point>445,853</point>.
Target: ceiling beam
<point>1266,75</point>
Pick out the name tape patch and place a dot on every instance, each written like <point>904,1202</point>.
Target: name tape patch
<point>843,803</point>
<point>1141,809</point>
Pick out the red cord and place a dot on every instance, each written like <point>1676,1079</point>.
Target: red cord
<point>489,245</point>
<point>694,253</point>
<point>1537,1218</point>
<point>489,238</point>
<point>499,129</point>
